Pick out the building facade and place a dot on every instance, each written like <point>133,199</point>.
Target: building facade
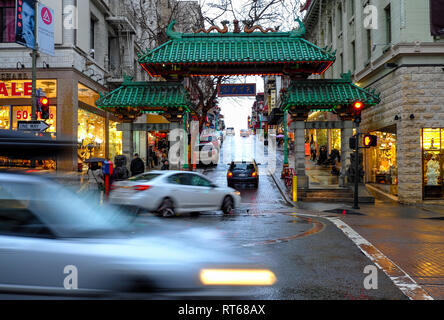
<point>397,48</point>
<point>94,48</point>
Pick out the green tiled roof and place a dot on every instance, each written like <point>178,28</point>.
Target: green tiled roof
<point>325,94</point>
<point>146,95</point>
<point>236,48</point>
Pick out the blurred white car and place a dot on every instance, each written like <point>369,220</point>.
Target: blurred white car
<point>230,132</point>
<point>171,192</point>
<point>55,244</point>
<point>244,133</point>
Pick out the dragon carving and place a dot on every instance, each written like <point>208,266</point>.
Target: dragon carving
<point>224,30</point>
<point>250,30</point>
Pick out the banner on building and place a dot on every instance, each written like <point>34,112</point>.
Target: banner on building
<point>237,90</point>
<point>46,29</point>
<point>436,17</point>
<point>25,23</point>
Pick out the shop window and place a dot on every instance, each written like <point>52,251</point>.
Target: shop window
<point>91,135</point>
<point>24,114</point>
<point>115,140</point>
<point>87,95</point>
<point>4,118</point>
<point>7,21</point>
<point>432,141</point>
<point>382,165</point>
<point>19,89</point>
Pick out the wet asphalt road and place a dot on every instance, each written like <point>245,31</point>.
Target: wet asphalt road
<point>311,257</point>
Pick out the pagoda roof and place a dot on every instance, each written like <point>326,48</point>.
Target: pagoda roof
<point>262,53</point>
<point>135,98</point>
<point>325,94</point>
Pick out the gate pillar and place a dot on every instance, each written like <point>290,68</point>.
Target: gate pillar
<point>346,134</point>
<point>299,154</point>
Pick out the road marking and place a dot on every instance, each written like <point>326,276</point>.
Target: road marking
<point>400,278</point>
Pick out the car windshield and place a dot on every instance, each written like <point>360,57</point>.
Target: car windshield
<point>67,214</point>
<point>242,166</point>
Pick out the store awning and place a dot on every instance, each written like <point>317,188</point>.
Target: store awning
<point>133,99</point>
<point>236,53</point>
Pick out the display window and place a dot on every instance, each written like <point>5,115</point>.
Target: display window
<point>16,89</point>
<point>90,135</point>
<point>432,141</point>
<point>335,139</point>
<point>4,118</point>
<point>87,95</point>
<point>115,140</point>
<point>382,162</point>
<point>23,113</point>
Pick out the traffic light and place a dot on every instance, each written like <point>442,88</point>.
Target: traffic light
<point>352,143</point>
<point>44,107</point>
<point>357,109</point>
<point>370,141</point>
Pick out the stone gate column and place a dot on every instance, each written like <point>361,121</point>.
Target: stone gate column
<point>346,134</point>
<point>128,143</point>
<point>299,154</point>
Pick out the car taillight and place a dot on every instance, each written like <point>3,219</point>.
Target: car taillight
<point>141,188</point>
<point>254,174</point>
<point>230,174</point>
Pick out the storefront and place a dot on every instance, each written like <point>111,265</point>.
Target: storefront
<point>432,143</point>
<point>381,167</point>
<point>15,106</point>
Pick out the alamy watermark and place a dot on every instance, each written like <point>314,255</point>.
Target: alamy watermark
<point>71,281</point>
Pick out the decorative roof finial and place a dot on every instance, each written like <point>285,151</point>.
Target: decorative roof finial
<point>173,34</point>
<point>236,26</point>
<point>300,32</point>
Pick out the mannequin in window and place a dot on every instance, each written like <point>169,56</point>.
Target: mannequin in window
<point>432,172</point>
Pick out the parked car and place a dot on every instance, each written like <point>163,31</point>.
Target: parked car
<point>174,192</point>
<point>52,240</point>
<point>243,172</point>
<point>231,132</point>
<point>244,133</point>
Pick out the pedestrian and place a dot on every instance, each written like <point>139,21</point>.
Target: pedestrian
<point>137,166</point>
<point>166,165</point>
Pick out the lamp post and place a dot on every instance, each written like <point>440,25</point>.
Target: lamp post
<point>285,141</point>
<point>185,117</point>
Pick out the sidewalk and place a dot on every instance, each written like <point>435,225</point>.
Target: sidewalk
<point>410,236</point>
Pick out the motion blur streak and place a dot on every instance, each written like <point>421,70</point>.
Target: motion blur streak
<point>237,277</point>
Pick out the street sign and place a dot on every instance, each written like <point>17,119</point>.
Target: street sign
<point>237,90</point>
<point>36,126</point>
<point>45,28</point>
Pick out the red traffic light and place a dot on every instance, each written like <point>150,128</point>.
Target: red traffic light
<point>358,105</point>
<point>44,102</point>
<point>370,141</point>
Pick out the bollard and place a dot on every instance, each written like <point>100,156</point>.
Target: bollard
<point>295,189</point>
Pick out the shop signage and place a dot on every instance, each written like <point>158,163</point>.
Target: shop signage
<point>237,90</point>
<point>38,126</point>
<point>147,127</point>
<point>6,76</point>
<point>326,125</point>
<point>15,89</point>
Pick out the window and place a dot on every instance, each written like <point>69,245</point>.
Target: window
<point>92,37</point>
<point>7,21</point>
<point>388,24</point>
<point>198,181</point>
<point>353,53</point>
<point>182,179</point>
<point>145,177</point>
<point>341,62</point>
<point>351,8</point>
<point>339,22</point>
<point>369,44</point>
<point>330,31</point>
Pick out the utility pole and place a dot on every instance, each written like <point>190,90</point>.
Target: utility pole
<point>34,55</point>
<point>357,175</point>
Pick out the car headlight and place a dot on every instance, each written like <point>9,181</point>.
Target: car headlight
<point>239,277</point>
<point>237,193</point>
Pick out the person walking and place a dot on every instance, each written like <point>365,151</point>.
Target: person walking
<point>137,166</point>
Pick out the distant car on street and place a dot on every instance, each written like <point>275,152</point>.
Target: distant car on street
<point>243,173</point>
<point>244,133</point>
<point>231,132</point>
<point>173,192</point>
<point>52,240</point>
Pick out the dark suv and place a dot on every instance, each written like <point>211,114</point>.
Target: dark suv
<point>243,172</point>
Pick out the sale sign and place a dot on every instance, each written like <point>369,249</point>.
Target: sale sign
<point>14,89</point>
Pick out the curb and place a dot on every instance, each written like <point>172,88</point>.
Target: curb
<point>398,276</point>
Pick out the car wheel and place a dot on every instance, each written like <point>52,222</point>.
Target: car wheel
<point>166,209</point>
<point>195,214</point>
<point>227,205</point>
